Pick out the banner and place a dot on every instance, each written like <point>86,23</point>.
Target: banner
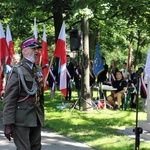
<point>98,64</point>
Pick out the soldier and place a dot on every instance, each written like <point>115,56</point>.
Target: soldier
<point>23,109</point>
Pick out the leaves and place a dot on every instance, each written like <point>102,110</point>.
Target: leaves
<point>111,24</point>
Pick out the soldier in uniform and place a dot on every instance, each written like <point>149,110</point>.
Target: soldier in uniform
<point>23,107</point>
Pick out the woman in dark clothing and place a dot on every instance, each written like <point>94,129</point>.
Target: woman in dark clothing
<point>77,78</point>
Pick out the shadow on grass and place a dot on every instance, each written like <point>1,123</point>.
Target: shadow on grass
<point>97,129</point>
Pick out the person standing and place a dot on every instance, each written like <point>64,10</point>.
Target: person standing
<point>112,71</point>
<point>102,76</point>
<point>14,61</point>
<point>92,78</point>
<point>133,83</point>
<point>23,106</point>
<point>78,78</point>
<point>125,74</point>
<point>52,79</point>
<point>143,80</point>
<point>70,75</point>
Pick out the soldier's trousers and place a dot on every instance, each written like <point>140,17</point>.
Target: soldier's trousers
<point>27,138</point>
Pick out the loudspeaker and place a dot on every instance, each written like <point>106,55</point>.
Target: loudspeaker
<point>76,40</point>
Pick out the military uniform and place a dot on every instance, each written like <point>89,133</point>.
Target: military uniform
<point>23,105</point>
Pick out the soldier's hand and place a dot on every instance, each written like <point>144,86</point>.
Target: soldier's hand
<point>8,131</point>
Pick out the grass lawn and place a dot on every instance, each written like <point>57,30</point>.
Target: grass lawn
<point>98,129</point>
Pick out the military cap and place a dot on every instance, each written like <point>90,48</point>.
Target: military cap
<point>31,42</point>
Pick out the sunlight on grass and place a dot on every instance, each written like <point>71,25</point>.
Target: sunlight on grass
<point>97,128</point>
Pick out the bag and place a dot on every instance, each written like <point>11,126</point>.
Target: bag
<point>101,104</point>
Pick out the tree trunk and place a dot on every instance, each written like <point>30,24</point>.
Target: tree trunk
<point>58,18</point>
<point>87,105</point>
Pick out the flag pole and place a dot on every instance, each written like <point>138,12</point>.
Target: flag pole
<point>50,64</point>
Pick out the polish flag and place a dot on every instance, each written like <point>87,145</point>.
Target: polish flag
<point>35,29</point>
<point>3,44</point>
<point>3,52</point>
<point>10,45</point>
<point>38,61</point>
<point>0,76</point>
<point>44,56</point>
<point>60,52</point>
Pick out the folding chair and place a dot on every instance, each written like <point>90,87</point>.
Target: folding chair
<point>127,98</point>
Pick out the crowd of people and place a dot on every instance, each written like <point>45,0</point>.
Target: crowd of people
<point>122,80</point>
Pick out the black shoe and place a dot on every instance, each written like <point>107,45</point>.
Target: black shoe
<point>115,107</point>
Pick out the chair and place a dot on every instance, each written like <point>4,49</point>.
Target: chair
<point>127,98</point>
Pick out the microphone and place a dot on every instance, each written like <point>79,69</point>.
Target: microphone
<point>46,65</point>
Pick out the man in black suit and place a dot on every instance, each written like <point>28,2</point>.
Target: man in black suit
<point>70,75</point>
<point>102,77</point>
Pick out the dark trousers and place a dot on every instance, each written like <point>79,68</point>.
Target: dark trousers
<point>69,91</point>
<point>68,97</point>
<point>27,138</point>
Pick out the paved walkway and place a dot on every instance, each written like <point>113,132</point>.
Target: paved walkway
<point>50,141</point>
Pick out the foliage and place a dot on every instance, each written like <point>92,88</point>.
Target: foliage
<point>113,23</point>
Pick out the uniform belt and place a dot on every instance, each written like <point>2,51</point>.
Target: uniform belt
<point>30,99</point>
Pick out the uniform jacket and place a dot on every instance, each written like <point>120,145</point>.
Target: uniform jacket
<point>25,113</point>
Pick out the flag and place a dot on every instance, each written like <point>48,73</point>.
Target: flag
<point>3,52</point>
<point>3,45</point>
<point>98,64</point>
<point>60,52</point>
<point>147,66</point>
<point>35,30</point>
<point>38,61</point>
<point>0,77</point>
<point>45,57</point>
<point>10,46</point>
<point>147,70</point>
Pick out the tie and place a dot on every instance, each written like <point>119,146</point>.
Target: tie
<point>30,65</point>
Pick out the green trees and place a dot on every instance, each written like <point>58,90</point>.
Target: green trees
<point>114,24</point>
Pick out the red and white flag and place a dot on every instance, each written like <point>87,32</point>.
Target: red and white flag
<point>0,76</point>
<point>35,30</point>
<point>60,52</point>
<point>3,53</point>
<point>45,57</point>
<point>3,44</point>
<point>35,33</point>
<point>10,46</point>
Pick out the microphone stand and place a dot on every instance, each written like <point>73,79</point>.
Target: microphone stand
<point>137,130</point>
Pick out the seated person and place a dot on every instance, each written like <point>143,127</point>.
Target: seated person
<point>121,86</point>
